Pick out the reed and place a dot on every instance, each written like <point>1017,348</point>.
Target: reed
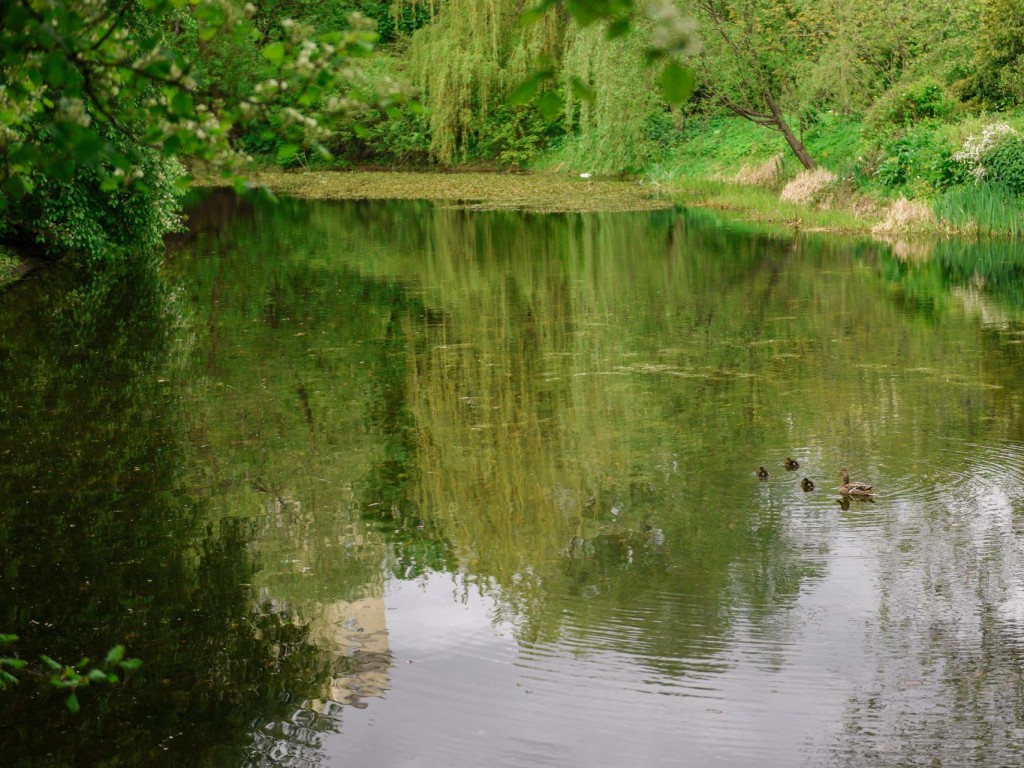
<point>981,209</point>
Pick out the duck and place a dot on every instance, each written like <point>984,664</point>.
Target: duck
<point>791,464</point>
<point>762,473</point>
<point>807,485</point>
<point>853,489</point>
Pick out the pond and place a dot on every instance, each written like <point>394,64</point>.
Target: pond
<point>406,484</point>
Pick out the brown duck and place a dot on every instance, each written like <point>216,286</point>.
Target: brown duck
<point>807,485</point>
<point>791,464</point>
<point>853,489</point>
<point>762,473</point>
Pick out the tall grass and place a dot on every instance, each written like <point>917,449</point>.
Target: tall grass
<point>983,209</point>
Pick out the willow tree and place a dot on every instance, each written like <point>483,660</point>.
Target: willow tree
<point>751,58</point>
<point>590,62</point>
<point>467,61</point>
<point>608,118</point>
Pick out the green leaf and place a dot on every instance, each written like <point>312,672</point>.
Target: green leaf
<point>210,13</point>
<point>527,89</point>
<point>130,664</point>
<point>14,663</point>
<point>676,82</point>
<point>72,703</point>
<point>286,152</point>
<point>182,103</point>
<point>274,53</point>
<point>114,655</point>
<point>532,15</point>
<point>8,639</point>
<point>55,67</point>
<point>97,676</point>
<point>617,28</point>
<point>585,13</point>
<point>550,105</point>
<point>55,666</point>
<point>582,91</point>
<point>17,187</point>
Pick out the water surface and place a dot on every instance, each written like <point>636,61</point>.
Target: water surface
<point>396,484</point>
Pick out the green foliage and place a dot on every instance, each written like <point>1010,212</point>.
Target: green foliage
<point>922,101</point>
<point>903,107</point>
<point>513,136</point>
<point>95,94</point>
<point>468,62</point>
<point>68,678</point>
<point>85,215</point>
<point>917,158</point>
<point>9,666</point>
<point>1004,164</point>
<point>999,52</point>
<point>609,129</point>
<point>397,139</point>
<point>586,63</point>
<point>986,209</point>
<point>709,147</point>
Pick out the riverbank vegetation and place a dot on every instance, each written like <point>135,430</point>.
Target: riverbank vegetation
<point>905,115</point>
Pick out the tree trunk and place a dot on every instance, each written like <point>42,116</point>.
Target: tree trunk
<point>795,144</point>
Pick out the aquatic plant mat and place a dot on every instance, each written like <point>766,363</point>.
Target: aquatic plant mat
<point>542,193</point>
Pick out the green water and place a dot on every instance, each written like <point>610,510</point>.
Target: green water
<point>395,484</point>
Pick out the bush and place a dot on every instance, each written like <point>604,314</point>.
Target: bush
<point>900,110</point>
<point>84,215</point>
<point>1004,164</point>
<point>925,101</point>
<point>382,140</point>
<point>919,158</point>
<point>512,136</point>
<point>995,156</point>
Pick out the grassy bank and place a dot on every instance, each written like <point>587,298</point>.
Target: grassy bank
<point>962,175</point>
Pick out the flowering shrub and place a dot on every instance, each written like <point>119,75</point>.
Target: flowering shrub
<point>978,149</point>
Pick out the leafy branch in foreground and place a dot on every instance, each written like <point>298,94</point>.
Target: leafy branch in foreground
<point>671,35</point>
<point>99,99</point>
<point>66,677</point>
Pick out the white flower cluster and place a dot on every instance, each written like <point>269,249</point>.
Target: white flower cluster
<point>976,148</point>
<point>73,111</point>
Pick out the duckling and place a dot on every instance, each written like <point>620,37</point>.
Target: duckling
<point>853,489</point>
<point>791,464</point>
<point>807,485</point>
<point>762,473</point>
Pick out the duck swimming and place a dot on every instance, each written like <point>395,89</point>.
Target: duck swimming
<point>762,473</point>
<point>853,489</point>
<point>807,485</point>
<point>791,464</point>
